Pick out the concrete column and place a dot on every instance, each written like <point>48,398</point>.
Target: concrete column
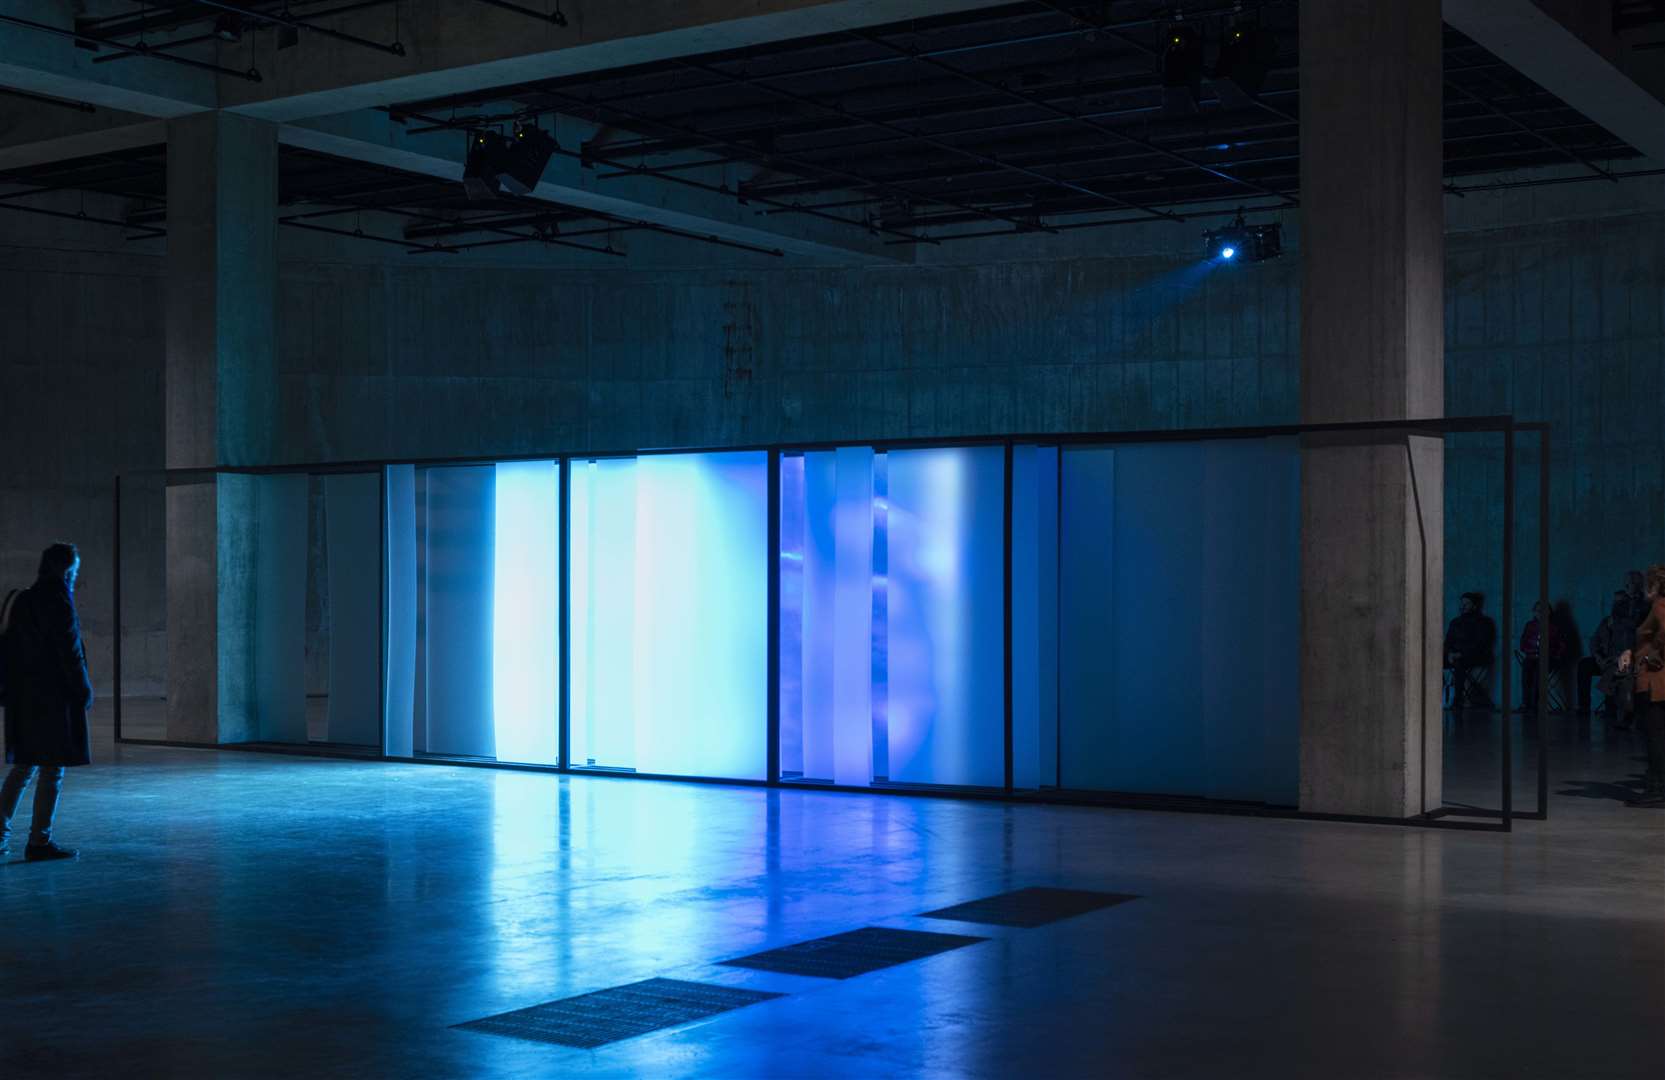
<point>1372,348</point>
<point>221,382</point>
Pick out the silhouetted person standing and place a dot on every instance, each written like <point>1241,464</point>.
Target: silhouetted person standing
<point>1469,642</point>
<point>47,698</point>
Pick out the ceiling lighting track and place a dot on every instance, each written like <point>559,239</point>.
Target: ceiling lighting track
<point>145,231</point>
<point>554,18</point>
<point>140,49</point>
<point>1110,132</point>
<point>395,48</point>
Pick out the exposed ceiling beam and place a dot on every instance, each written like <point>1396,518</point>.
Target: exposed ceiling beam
<point>1566,63</point>
<point>690,209</point>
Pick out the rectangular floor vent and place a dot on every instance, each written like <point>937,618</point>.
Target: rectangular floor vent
<point>1030,907</point>
<point>622,1012</point>
<point>856,952</point>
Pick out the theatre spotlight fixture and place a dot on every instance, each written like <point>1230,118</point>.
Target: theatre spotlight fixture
<point>525,155</point>
<point>1242,242</point>
<point>512,163</point>
<point>485,150</point>
<point>1246,55</point>
<point>1182,70</point>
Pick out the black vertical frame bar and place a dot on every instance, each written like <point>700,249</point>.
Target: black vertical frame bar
<point>1505,651</point>
<point>563,618</point>
<point>1543,652</point>
<point>1006,608</point>
<point>772,683</point>
<point>381,639</point>
<point>115,606</point>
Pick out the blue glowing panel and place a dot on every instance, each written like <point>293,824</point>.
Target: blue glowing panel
<point>945,623</point>
<point>525,608</point>
<point>791,646</point>
<point>1035,616</point>
<point>602,612</point>
<point>836,658</point>
<point>399,592</point>
<point>669,610</point>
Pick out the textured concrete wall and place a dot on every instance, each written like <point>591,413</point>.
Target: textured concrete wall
<point>402,361</point>
<point>80,398</point>
<point>1553,310</point>
<point>1559,321</point>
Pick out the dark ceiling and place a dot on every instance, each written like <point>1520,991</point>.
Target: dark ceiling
<point>1036,116</point>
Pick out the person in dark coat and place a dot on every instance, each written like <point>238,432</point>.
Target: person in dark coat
<point>48,694</point>
<point>1469,643</point>
<point>1612,639</point>
<point>1636,602</point>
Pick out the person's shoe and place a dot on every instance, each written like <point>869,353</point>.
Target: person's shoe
<point>47,852</point>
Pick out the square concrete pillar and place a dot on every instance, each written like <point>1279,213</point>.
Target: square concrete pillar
<point>221,382</point>
<point>1372,348</point>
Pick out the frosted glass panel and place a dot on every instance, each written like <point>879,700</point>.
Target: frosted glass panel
<point>473,599</point>
<point>352,515</point>
<point>1179,619</point>
<point>945,703</point>
<point>669,614</point>
<point>1034,617</point>
<point>891,616</point>
<point>456,596</point>
<point>526,608</point>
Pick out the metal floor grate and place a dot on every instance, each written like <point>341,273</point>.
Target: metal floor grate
<point>1030,907</point>
<point>622,1012</point>
<point>857,952</point>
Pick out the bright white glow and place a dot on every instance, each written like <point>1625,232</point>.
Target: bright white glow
<point>525,608</point>
<point>1228,253</point>
<point>669,614</point>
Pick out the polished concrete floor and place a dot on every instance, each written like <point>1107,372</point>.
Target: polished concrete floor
<point>239,914</point>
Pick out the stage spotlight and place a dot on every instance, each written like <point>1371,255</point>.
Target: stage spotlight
<point>1242,242</point>
<point>1182,70</point>
<point>524,158</point>
<point>481,167</point>
<point>1240,72</point>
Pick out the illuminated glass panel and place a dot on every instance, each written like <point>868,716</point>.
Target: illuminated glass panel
<point>669,614</point>
<point>526,604</point>
<point>891,616</point>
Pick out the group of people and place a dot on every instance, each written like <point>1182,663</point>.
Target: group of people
<point>1626,660</point>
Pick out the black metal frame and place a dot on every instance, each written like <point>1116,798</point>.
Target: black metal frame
<point>1450,817</point>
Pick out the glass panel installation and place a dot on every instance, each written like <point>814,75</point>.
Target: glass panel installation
<point>891,617</point>
<point>669,614</point>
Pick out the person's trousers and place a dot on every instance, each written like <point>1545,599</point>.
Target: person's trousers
<point>1653,726</point>
<point>1529,684</point>
<point>1588,669</point>
<point>51,782</point>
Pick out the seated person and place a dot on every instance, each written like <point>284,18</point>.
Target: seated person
<point>1469,642</point>
<point>1530,648</point>
<point>1615,636</point>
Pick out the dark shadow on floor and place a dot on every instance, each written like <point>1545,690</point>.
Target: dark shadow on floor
<point>1621,790</point>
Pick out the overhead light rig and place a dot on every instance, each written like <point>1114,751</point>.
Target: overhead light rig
<point>1244,243</point>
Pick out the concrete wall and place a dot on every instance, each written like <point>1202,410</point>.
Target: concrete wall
<point>80,398</point>
<point>1554,300</point>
